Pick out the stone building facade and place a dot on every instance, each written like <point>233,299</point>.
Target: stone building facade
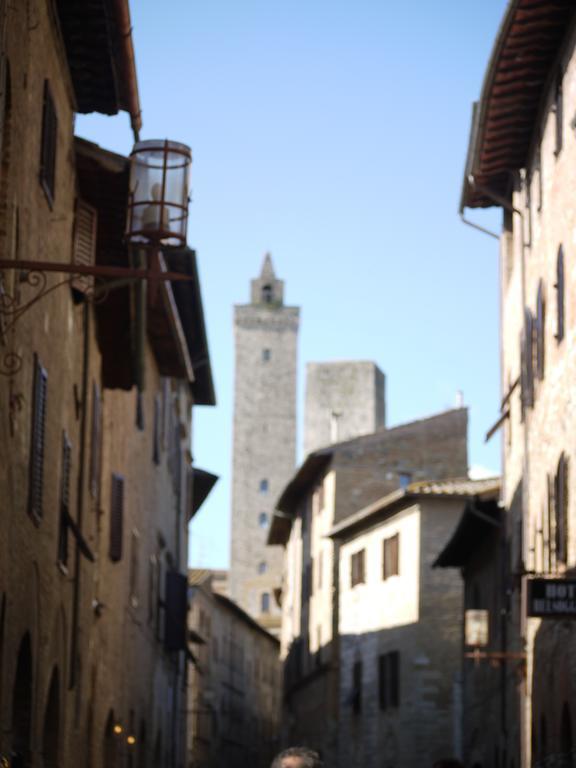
<point>264,444</point>
<point>330,486</point>
<point>96,481</point>
<point>400,628</point>
<point>234,687</point>
<point>344,399</point>
<point>525,165</point>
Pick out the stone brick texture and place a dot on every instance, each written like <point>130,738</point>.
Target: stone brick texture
<point>120,669</point>
<point>264,446</point>
<point>344,399</point>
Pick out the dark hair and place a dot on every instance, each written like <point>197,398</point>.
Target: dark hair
<point>309,758</point>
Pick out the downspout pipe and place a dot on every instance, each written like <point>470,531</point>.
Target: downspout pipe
<point>127,80</point>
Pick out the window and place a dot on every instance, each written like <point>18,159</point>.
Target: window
<point>134,568</point>
<point>262,567</point>
<point>264,486</point>
<point>404,479</point>
<point>267,293</point>
<point>390,556</point>
<point>357,688</point>
<point>561,510</point>
<point>36,490</point>
<point>559,286</point>
<point>95,440</point>
<point>48,145</point>
<point>263,520</point>
<point>527,359</point>
<point>265,602</point>
<point>559,115</point>
<point>156,434</point>
<point>266,355</point>
<point>116,517</point>
<point>84,244</point>
<point>357,568</point>
<point>64,500</point>
<point>389,680</point>
<point>540,331</point>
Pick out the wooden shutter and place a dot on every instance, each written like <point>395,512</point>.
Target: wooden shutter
<point>175,629</point>
<point>561,507</point>
<point>527,361</point>
<point>390,557</point>
<point>48,144</point>
<point>540,331</point>
<point>156,436</point>
<point>95,441</point>
<point>36,489</point>
<point>64,499</point>
<point>116,517</point>
<point>357,566</point>
<point>84,247</point>
<point>559,114</point>
<point>560,294</point>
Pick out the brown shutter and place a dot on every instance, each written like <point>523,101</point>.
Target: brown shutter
<point>156,437</point>
<point>64,499</point>
<point>84,248</point>
<point>48,144</point>
<point>559,286</point>
<point>116,518</point>
<point>95,441</point>
<point>540,331</point>
<point>36,489</point>
<point>561,508</point>
<point>391,557</point>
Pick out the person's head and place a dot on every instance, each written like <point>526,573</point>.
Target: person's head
<point>297,757</point>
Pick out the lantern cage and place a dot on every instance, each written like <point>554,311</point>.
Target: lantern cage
<point>158,198</point>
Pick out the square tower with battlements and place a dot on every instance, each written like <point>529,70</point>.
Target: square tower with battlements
<point>344,399</point>
<point>264,446</point>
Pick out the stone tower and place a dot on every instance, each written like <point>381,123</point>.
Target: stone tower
<point>264,447</point>
<point>343,400</point>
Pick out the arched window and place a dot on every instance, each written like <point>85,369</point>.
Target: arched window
<point>51,731</point>
<point>263,520</point>
<point>540,331</point>
<point>267,293</point>
<point>263,486</point>
<point>265,602</point>
<point>561,509</point>
<point>22,702</point>
<point>110,741</point>
<point>559,286</point>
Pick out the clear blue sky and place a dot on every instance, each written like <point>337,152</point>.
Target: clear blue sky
<point>332,134</point>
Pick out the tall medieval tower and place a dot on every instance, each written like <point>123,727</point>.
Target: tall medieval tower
<point>264,448</point>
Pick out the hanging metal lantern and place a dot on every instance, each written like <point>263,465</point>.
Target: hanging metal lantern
<point>158,201</point>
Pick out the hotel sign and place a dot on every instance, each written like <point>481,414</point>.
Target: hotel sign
<point>552,598</point>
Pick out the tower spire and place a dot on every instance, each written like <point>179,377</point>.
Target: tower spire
<point>267,289</point>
